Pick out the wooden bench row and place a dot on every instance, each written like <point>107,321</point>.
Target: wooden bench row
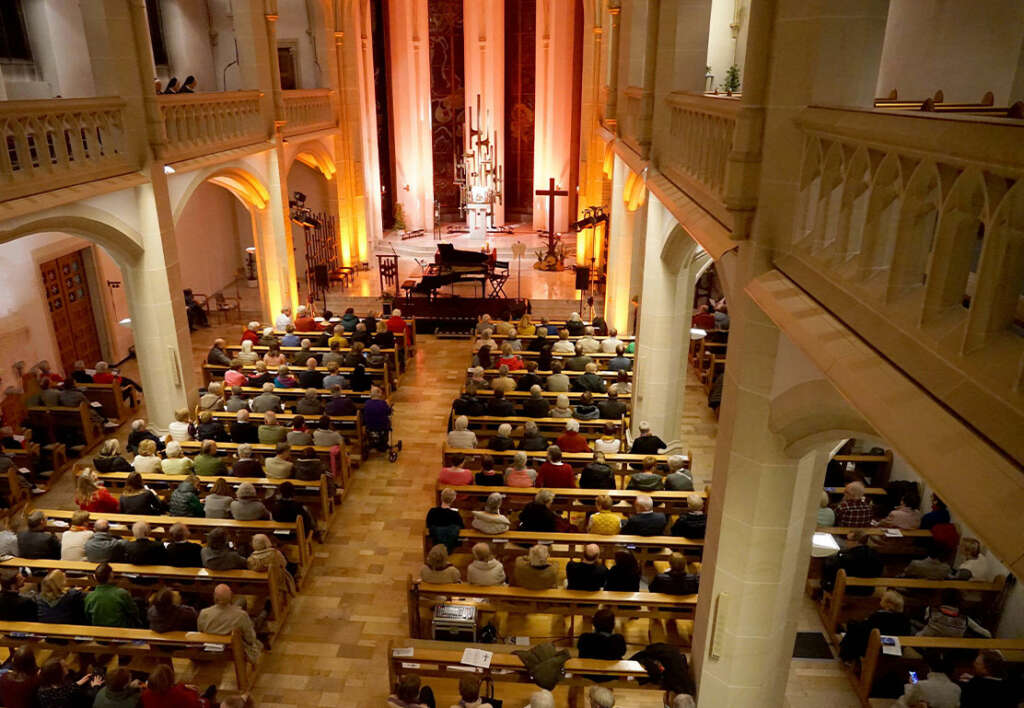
<point>112,398</point>
<point>55,421</point>
<point>392,354</point>
<point>350,425</point>
<point>591,429</point>
<point>519,373</point>
<point>382,377</point>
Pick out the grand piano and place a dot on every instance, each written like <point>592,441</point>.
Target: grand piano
<point>452,266</point>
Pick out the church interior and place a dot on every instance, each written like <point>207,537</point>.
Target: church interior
<point>589,353</point>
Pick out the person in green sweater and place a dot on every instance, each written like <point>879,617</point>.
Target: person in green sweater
<point>108,605</point>
<point>270,433</point>
<point>207,463</point>
<point>120,691</point>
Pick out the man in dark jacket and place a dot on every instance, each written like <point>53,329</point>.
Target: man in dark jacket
<point>611,408</point>
<point>597,474</point>
<point>15,607</point>
<point>37,542</point>
<point>244,431</point>
<point>858,560</point>
<point>646,443</point>
<point>143,550</point>
<point>218,355</point>
<point>499,406</point>
<point>535,406</point>
<point>468,403</point>
<point>530,378</point>
<point>645,521</point>
<point>676,581</point>
<point>103,546</point>
<point>182,553</point>
<point>538,515</point>
<point>589,572</point>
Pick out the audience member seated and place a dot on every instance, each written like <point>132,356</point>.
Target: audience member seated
<point>166,613</point>
<point>299,436</point>
<point>646,443</point>
<point>938,515</point>
<point>888,619</point>
<point>56,603</point>
<point>485,568</point>
<point>324,435</point>
<point>384,338</point>
<point>175,461</point>
<point>309,404</point>
<point>975,565</point>
<point>557,381</point>
<point>564,345</point>
<point>243,430</point>
<point>18,685</point>
<point>139,433</point>
<point>275,357</point>
<point>609,441</point>
<point>247,355</point>
<point>223,617</point>
<point>287,508</point>
<point>108,605</point>
<point>234,376</point>
<point>533,571</point>
<point>284,378</point>
<point>905,515</point>
<point>90,496</point>
<point>530,379</point>
<point>947,619</point>
<point>36,541</point>
<point>597,474</point>
<point>217,555</point>
<point>260,377</point>
<point>677,581</point>
<point>604,522</point>
<point>270,432</point>
<point>267,559</point>
<point>103,546</point>
<point>266,401</point>
<point>561,409</point>
<point>308,467</point>
<point>251,333</point>
<point>456,475</point>
<point>509,359</point>
<point>142,550</point>
<point>645,521</point>
<point>586,409</point>
<point>989,687</point>
<point>574,324</point>
<point>589,380</point>
<point>218,354</point>
<point>519,473</point>
<point>859,560</point>
<point>536,406</point>
<point>624,575</point>
<point>180,429</point>
<point>468,403</point>
<point>499,406</point>
<point>609,343</point>
<point>213,399</point>
<point>146,461</point>
<point>589,572</point>
<point>181,552</point>
<point>603,642</point>
<point>184,499</point>
<point>218,502</point>
<point>488,476</point>
<point>571,440</point>
<point>444,522</point>
<point>647,479</point>
<point>339,404</point>
<point>622,386</point>
<point>109,459</point>
<point>620,362</point>
<point>14,606</point>
<point>538,516</point>
<point>437,569</point>
<point>502,440</point>
<point>555,473</point>
<point>280,465</point>
<point>491,520</point>
<point>290,339</point>
<point>461,436</point>
<point>678,478</point>
<point>236,401</point>
<point>693,522</point>
<point>532,440</point>
<point>209,428</point>
<point>931,567</point>
<point>283,319</point>
<point>208,463</point>
<point>57,688</point>
<point>855,509</point>
<point>137,499</point>
<point>826,515</point>
<point>409,694</point>
<point>72,541</point>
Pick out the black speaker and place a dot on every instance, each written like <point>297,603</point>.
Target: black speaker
<point>582,278</point>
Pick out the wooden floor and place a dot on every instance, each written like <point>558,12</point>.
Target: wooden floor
<point>332,651</point>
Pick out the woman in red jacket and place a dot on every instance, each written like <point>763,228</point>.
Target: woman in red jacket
<point>162,691</point>
<point>91,497</point>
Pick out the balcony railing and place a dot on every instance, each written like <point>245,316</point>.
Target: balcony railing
<point>55,143</point>
<point>201,123</point>
<point>701,132</point>
<point>908,228</point>
<point>634,119</point>
<point>308,110</point>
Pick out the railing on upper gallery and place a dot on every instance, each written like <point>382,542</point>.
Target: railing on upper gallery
<point>696,152</point>
<point>307,110</point>
<point>634,115</point>
<point>908,227</point>
<point>202,123</point>
<point>53,143</point>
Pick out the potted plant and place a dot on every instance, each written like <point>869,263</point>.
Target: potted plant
<point>732,80</point>
<point>399,217</point>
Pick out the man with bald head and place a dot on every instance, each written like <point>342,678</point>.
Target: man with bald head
<point>103,546</point>
<point>223,617</point>
<point>217,354</point>
<point>589,572</point>
<point>645,521</point>
<point>266,401</point>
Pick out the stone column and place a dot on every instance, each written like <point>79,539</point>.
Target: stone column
<point>612,100</point>
<point>484,41</point>
<point>277,235</point>
<point>409,49</point>
<point>552,142</point>
<point>625,253</point>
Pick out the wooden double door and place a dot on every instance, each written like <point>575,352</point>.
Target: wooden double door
<point>71,310</point>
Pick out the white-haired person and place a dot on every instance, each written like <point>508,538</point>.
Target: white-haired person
<point>854,510</point>
<point>588,344</point>
<point>283,319</point>
<point>485,568</point>
<point>534,571</point>
<point>251,332</point>
<point>490,519</point>
<point>141,432</point>
<point>502,440</point>
<point>826,515</point>
<point>645,521</point>
<point>175,461</point>
<point>461,436</point>
<point>503,382</point>
<point>519,473</point>
<point>600,697</point>
<point>541,699</point>
<point>693,522</point>
<point>571,440</point>
<point>646,443</point>
<point>561,409</point>
<point>142,550</point>
<point>146,460</point>
<point>678,478</point>
<point>247,355</point>
<point>109,459</point>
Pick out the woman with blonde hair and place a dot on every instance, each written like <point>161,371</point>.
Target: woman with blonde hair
<point>437,568</point>
<point>213,399</point>
<point>491,520</point>
<point>180,429</point>
<point>56,603</point>
<point>518,474</point>
<point>265,557</point>
<point>604,522</point>
<point>525,327</point>
<point>90,496</point>
<point>561,409</point>
<point>175,461</point>
<point>461,436</point>
<point>146,461</point>
<point>247,356</point>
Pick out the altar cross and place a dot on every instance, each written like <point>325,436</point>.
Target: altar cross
<point>551,193</point>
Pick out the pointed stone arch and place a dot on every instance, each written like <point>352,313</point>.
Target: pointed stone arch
<point>812,414</point>
<point>242,183</point>
<point>314,155</point>
<point>98,227</point>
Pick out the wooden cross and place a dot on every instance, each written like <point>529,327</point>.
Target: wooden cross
<point>551,193</point>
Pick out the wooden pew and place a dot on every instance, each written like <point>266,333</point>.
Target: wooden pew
<point>225,448</point>
<point>870,491</point>
<point>555,601</point>
<point>246,582</point>
<point>518,397</point>
<point>611,376</point>
<point>487,425</point>
<point>392,354</point>
<point>570,545</point>
<point>341,423</point>
<point>121,525</point>
<point>567,500</point>
<point>213,372</point>
<point>598,357</point>
<point>619,461</point>
<point>79,638</point>
<point>880,476</point>
<point>869,664</point>
<point>110,396</point>
<point>444,660</point>
<point>55,419</point>
<point>313,494</point>
<point>832,603</point>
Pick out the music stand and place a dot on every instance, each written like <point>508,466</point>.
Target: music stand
<point>387,266</point>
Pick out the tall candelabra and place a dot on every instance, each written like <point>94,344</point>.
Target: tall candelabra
<point>479,177</point>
